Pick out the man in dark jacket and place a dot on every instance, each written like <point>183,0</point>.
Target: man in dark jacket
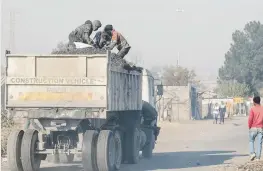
<point>222,112</point>
<point>101,39</point>
<point>83,32</point>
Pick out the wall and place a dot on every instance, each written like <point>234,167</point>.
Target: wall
<point>179,103</point>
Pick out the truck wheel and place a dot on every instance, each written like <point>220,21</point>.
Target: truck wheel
<point>118,150</point>
<point>14,150</point>
<point>89,150</point>
<point>147,151</point>
<point>30,160</point>
<point>106,151</point>
<point>134,147</point>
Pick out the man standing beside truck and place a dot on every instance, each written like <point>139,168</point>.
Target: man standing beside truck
<point>117,40</point>
<point>83,32</point>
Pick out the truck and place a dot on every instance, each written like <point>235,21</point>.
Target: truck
<point>79,104</point>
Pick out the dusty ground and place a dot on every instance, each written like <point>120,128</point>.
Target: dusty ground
<point>189,146</point>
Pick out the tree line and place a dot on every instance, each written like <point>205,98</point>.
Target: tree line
<point>242,71</point>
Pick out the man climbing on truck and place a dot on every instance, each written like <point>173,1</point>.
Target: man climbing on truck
<point>83,32</point>
<point>101,39</point>
<point>117,40</point>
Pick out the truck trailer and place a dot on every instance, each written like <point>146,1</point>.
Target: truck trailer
<point>79,105</point>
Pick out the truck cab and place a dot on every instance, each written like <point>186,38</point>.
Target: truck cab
<point>148,90</point>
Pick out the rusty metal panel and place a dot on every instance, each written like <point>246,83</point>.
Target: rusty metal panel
<point>124,91</point>
<point>56,96</point>
<point>57,81</point>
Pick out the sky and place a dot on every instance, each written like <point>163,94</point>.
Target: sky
<point>201,34</point>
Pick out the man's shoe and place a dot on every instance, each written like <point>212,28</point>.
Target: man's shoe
<point>252,156</point>
<point>257,159</point>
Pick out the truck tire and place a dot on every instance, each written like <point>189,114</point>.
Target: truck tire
<point>133,146</point>
<point>147,150</point>
<point>30,160</point>
<point>106,151</point>
<point>118,150</point>
<point>89,160</point>
<point>14,150</point>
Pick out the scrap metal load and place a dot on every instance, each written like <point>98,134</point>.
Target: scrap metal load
<point>116,61</point>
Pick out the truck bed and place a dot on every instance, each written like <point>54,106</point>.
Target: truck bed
<point>71,81</point>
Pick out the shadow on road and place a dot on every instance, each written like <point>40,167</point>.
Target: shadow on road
<point>169,160</point>
<point>62,168</point>
<point>186,159</point>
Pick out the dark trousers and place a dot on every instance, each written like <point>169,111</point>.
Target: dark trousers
<point>123,52</point>
<point>222,117</point>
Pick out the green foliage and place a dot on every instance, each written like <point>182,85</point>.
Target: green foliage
<point>177,76</point>
<point>7,125</point>
<point>244,60</point>
<point>232,89</point>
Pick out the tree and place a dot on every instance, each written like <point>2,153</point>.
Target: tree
<point>156,71</point>
<point>244,60</point>
<point>177,76</point>
<point>232,89</point>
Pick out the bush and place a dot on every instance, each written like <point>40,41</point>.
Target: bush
<point>7,125</point>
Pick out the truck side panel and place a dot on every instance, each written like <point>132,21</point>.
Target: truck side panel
<point>57,81</point>
<point>124,91</point>
<point>71,81</point>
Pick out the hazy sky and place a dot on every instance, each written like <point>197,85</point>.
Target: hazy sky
<point>156,32</point>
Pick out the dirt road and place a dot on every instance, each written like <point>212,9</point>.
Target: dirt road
<point>189,146</point>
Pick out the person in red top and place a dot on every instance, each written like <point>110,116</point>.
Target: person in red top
<point>255,125</point>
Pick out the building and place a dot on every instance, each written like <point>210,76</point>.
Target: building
<point>179,103</point>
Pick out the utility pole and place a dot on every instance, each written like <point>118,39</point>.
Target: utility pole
<point>11,31</point>
<point>178,10</point>
<point>12,45</point>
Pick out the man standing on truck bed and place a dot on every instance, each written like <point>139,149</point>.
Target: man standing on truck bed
<point>83,32</point>
<point>117,40</point>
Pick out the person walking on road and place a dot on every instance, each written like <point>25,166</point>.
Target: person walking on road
<point>222,112</point>
<point>255,125</point>
<point>216,112</point>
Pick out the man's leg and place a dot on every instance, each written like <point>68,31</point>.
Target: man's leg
<point>220,119</point>
<point>252,136</point>
<point>259,144</point>
<point>123,52</point>
<point>223,118</point>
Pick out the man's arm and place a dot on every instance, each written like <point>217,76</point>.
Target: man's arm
<point>87,30</point>
<point>250,118</point>
<point>87,39</point>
